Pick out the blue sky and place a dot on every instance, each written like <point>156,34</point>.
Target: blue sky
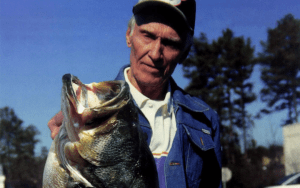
<point>40,41</point>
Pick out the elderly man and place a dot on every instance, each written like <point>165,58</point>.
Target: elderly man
<point>182,131</point>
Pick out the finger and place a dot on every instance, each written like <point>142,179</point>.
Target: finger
<point>55,123</point>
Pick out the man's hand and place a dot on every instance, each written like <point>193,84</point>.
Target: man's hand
<point>55,123</point>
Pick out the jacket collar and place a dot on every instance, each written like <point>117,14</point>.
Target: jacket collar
<point>179,96</point>
<point>182,98</point>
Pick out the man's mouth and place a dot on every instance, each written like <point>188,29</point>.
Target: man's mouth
<point>153,67</point>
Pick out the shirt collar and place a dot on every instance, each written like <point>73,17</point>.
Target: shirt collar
<point>141,99</point>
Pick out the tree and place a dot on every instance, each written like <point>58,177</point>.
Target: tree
<point>280,61</point>
<point>10,126</point>
<point>17,143</point>
<point>237,64</point>
<point>219,75</point>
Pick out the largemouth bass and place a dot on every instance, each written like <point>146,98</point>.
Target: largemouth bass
<point>100,143</point>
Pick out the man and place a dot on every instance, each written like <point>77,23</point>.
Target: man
<point>182,131</point>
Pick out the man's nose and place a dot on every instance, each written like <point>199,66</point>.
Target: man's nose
<point>155,52</point>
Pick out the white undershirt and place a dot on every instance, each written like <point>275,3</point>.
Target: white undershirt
<point>161,117</point>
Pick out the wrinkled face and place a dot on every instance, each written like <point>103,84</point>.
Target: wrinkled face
<point>156,49</point>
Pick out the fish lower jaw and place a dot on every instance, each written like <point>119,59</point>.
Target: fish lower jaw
<point>72,160</point>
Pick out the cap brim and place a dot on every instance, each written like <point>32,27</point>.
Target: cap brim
<point>153,7</point>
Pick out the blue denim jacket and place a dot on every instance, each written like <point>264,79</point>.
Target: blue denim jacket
<point>195,157</point>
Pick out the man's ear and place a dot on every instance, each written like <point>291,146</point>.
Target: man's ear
<point>128,41</point>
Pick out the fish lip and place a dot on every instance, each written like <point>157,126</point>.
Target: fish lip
<point>67,104</point>
<point>67,80</point>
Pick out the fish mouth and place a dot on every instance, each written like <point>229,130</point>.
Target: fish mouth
<point>71,84</point>
<point>82,103</point>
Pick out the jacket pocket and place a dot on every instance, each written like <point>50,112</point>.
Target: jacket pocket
<point>201,138</point>
<point>199,146</point>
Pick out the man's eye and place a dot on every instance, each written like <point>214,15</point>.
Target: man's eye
<point>150,36</point>
<point>172,44</point>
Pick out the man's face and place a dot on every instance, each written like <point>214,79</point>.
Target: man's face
<point>155,50</point>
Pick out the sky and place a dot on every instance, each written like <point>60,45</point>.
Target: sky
<point>40,41</point>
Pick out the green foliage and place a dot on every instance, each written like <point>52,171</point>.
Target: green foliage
<point>280,61</point>
<point>21,167</point>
